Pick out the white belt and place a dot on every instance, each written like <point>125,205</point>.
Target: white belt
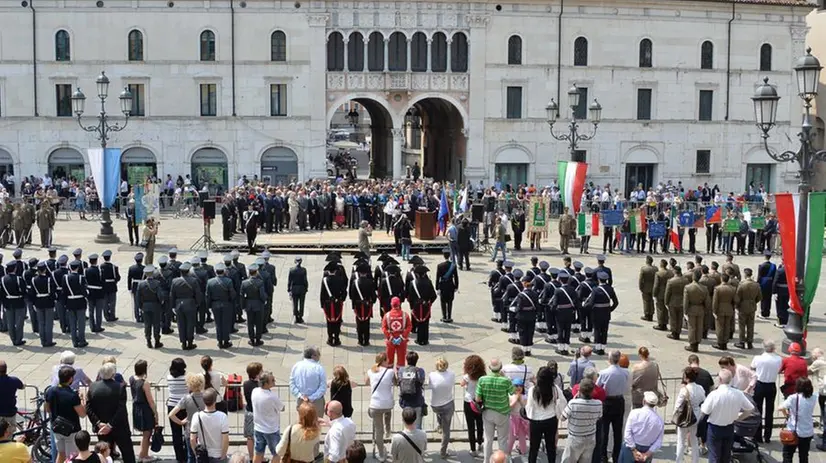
<point>76,296</point>
<point>13,297</point>
<point>109,281</point>
<point>43,295</point>
<point>94,287</point>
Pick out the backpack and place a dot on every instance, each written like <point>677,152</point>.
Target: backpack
<point>409,381</point>
<point>232,396</point>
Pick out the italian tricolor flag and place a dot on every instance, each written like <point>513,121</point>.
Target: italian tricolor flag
<point>637,220</point>
<point>788,209</point>
<point>588,224</point>
<point>571,182</point>
<point>672,231</point>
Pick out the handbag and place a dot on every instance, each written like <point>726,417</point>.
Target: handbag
<point>662,397</point>
<point>477,407</point>
<point>157,439</point>
<point>684,415</point>
<point>60,425</point>
<point>788,437</point>
<point>287,458</point>
<point>201,453</point>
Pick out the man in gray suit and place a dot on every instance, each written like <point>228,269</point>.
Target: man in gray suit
<point>303,206</point>
<point>220,297</point>
<point>185,297</point>
<point>148,298</point>
<point>253,298</point>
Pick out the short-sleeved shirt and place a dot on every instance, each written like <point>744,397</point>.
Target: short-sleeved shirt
<point>9,385</point>
<point>495,390</point>
<point>192,403</point>
<point>801,414</point>
<point>62,401</point>
<point>214,424</point>
<point>794,367</point>
<point>248,386</point>
<point>14,452</point>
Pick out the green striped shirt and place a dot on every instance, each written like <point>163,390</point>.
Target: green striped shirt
<point>494,390</point>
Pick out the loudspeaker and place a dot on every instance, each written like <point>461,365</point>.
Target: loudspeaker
<point>478,212</point>
<point>209,209</point>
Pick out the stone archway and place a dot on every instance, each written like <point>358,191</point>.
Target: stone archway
<point>279,165</point>
<point>67,163</point>
<point>435,129</point>
<point>362,127</point>
<point>137,163</point>
<point>210,167</point>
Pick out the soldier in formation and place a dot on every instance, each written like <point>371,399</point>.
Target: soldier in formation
<point>253,301</point>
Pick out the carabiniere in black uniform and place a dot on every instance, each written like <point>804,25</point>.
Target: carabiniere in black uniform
<point>43,292</point>
<point>603,301</point>
<point>363,296</point>
<point>510,293</point>
<point>526,305</point>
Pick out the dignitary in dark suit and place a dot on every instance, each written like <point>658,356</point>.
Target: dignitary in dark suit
<point>74,293</point>
<point>43,291</point>
<point>227,224</point>
<point>132,224</point>
<point>447,283</point>
<point>185,296</point>
<point>106,409</point>
<point>149,299</point>
<point>765,278</point>
<point>363,296</point>
<point>421,294</point>
<point>220,297</point>
<point>297,285</point>
<point>253,299</point>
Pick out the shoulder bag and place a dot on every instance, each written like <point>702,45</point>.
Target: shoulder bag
<point>201,452</point>
<point>412,444</point>
<point>287,458</point>
<point>662,396</point>
<point>522,412</point>
<point>684,416</point>
<point>60,425</point>
<point>788,437</point>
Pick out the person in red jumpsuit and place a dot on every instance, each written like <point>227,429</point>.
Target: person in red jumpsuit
<point>396,326</point>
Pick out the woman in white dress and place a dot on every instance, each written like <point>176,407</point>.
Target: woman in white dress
<point>695,394</point>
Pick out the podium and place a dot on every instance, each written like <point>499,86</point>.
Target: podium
<point>425,225</point>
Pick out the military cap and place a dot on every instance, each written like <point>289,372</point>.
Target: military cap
<point>32,261</point>
<point>544,266</point>
<point>41,265</point>
<point>566,259</point>
<point>202,254</point>
<point>518,273</point>
<point>359,255</point>
<point>331,267</point>
<point>333,257</point>
<point>227,258</point>
<point>74,265</point>
<point>383,256</point>
<point>173,251</point>
<point>139,256</point>
<point>391,261</point>
<point>220,267</point>
<point>235,254</point>
<point>363,268</point>
<point>107,253</point>
<point>767,252</point>
<point>578,265</point>
<point>589,271</point>
<point>445,250</point>
<point>534,260</point>
<point>415,260</point>
<point>553,271</point>
<point>149,270</point>
<point>163,260</point>
<point>730,255</point>
<point>52,249</point>
<point>563,276</point>
<point>601,258</point>
<point>527,278</point>
<point>602,275</point>
<point>298,260</point>
<point>11,264</point>
<point>252,267</point>
<point>393,269</point>
<point>77,252</point>
<point>499,262</point>
<point>195,261</point>
<point>93,257</point>
<point>266,254</point>
<point>63,260</point>
<point>421,269</point>
<point>260,261</point>
<point>185,267</point>
<point>17,253</point>
<point>507,264</point>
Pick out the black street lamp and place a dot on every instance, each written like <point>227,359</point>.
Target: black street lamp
<point>573,137</point>
<point>807,71</point>
<point>102,131</point>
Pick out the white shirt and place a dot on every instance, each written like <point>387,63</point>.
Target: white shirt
<point>514,371</point>
<point>124,187</point>
<point>441,387</point>
<point>743,379</point>
<point>535,410</point>
<point>268,408</point>
<point>818,368</point>
<point>724,405</point>
<point>382,398</point>
<point>215,424</point>
<point>767,366</point>
<point>697,395</point>
<point>342,433</point>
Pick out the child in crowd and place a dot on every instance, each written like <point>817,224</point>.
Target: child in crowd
<point>520,427</point>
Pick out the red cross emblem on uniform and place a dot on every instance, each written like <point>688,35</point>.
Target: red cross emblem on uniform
<point>396,325</point>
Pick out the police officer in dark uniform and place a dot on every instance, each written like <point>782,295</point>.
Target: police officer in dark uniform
<point>584,290</point>
<point>271,282</point>
<point>538,285</point>
<point>765,277</point>
<point>28,275</point>
<point>185,298</point>
<point>3,327</point>
<point>97,303</point>
<point>363,296</point>
<point>525,306</point>
<point>14,290</point>
<point>111,277</point>
<point>414,262</point>
<point>493,285</point>
<point>19,265</point>
<point>390,286</point>
<point>510,293</point>
<point>297,285</point>
<point>253,299</point>
<point>149,298</point>
<point>234,274</point>
<point>447,283</point>
<point>133,276</point>
<point>167,274</point>
<point>545,298</point>
<point>602,301</point>
<point>505,280</point>
<point>220,297</point>
<point>202,275</point>
<point>565,303</point>
<point>578,275</point>
<point>74,294</point>
<point>780,288</point>
<point>78,255</point>
<point>174,263</point>
<point>533,271</point>
<point>59,275</point>
<point>51,262</point>
<point>44,293</point>
<point>333,293</point>
<point>602,268</point>
<point>421,294</point>
<point>566,266</point>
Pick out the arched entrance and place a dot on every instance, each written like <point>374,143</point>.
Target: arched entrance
<point>513,166</point>
<point>435,139</point>
<point>67,163</point>
<point>210,168</point>
<point>361,129</point>
<point>6,163</point>
<point>640,169</point>
<point>279,165</point>
<point>136,164</point>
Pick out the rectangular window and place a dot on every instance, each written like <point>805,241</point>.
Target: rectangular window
<point>63,100</point>
<point>278,100</point>
<point>580,156</point>
<point>643,104</point>
<point>703,164</point>
<point>209,100</point>
<point>138,100</point>
<point>514,103</point>
<point>706,104</point>
<point>581,111</point>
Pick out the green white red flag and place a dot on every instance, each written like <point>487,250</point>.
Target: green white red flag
<point>571,181</point>
<point>636,219</point>
<point>588,224</point>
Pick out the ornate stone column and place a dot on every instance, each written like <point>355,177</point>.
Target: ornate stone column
<point>346,52</point>
<point>449,41</point>
<point>386,44</point>
<point>398,141</point>
<point>477,162</point>
<point>429,44</point>
<point>313,159</point>
<point>366,41</point>
<point>409,52</point>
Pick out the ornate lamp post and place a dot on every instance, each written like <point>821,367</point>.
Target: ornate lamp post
<point>102,130</point>
<point>573,137</point>
<point>807,71</point>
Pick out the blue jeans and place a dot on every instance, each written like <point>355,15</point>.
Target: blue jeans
<point>720,439</point>
<point>405,251</point>
<point>262,441</point>
<point>503,247</point>
<point>625,242</point>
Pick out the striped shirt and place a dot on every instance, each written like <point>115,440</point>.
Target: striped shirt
<point>495,390</point>
<point>176,389</point>
<point>582,416</point>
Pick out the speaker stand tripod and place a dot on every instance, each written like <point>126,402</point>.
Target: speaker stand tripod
<point>205,242</point>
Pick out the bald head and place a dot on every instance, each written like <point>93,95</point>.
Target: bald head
<point>586,351</point>
<point>495,365</point>
<point>334,409</point>
<point>724,376</point>
<point>498,457</point>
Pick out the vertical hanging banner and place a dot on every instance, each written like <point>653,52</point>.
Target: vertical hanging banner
<point>151,199</point>
<point>687,219</point>
<point>105,167</point>
<point>571,179</point>
<point>536,215</point>
<point>140,210</point>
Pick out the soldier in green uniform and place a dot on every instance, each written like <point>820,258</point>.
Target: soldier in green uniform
<point>18,225</point>
<point>45,222</point>
<point>731,265</point>
<point>185,297</point>
<point>722,304</point>
<point>709,283</point>
<point>646,283</point>
<point>220,297</point>
<point>674,301</point>
<point>149,299</point>
<point>696,303</point>
<point>253,300</point>
<point>746,299</point>
<point>660,281</point>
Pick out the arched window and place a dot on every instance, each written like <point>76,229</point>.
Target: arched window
<point>458,53</point>
<point>62,50</point>
<point>765,57</point>
<point>375,52</point>
<point>335,52</point>
<point>646,53</point>
<point>418,52</point>
<point>438,53</point>
<point>207,46</point>
<point>355,52</point>
<point>581,51</point>
<point>515,50</point>
<point>278,46</point>
<point>707,55</point>
<point>135,45</point>
<point>397,52</point>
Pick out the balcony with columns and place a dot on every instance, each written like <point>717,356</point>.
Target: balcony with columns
<point>419,63</point>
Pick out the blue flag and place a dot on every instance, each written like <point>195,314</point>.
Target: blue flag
<point>140,211</point>
<point>656,229</point>
<point>105,166</point>
<point>443,210</point>
<point>687,219</point>
<point>612,218</point>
